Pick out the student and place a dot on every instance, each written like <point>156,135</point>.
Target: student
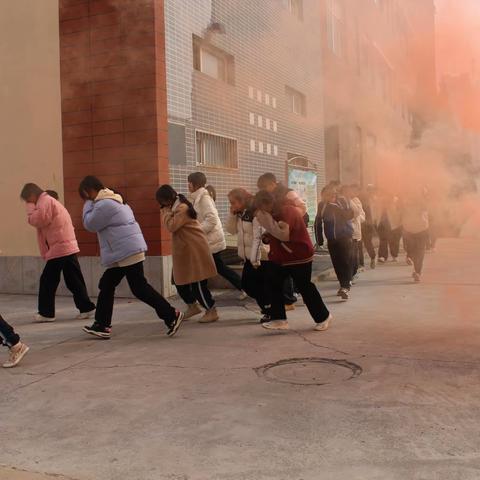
<point>10,339</point>
<point>291,253</point>
<point>389,228</point>
<point>334,217</point>
<point>58,246</point>
<point>245,226</point>
<point>369,203</point>
<point>122,251</point>
<point>207,215</point>
<point>351,193</point>
<point>193,263</point>
<point>284,195</point>
<point>415,230</point>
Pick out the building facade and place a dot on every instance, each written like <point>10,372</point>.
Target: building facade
<point>244,85</point>
<point>90,94</point>
<point>379,67</point>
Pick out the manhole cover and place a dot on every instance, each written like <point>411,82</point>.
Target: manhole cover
<point>309,371</point>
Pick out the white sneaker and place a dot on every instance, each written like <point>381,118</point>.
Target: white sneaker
<point>16,354</point>
<point>321,327</point>
<point>382,260</point>
<point>85,315</point>
<point>41,319</point>
<point>276,325</point>
<point>192,310</point>
<point>394,260</point>
<point>242,296</point>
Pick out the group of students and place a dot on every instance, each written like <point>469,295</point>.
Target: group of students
<point>349,219</point>
<point>273,241</point>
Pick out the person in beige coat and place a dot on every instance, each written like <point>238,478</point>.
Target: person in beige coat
<point>193,262</point>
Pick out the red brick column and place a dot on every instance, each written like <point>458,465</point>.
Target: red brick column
<point>114,111</point>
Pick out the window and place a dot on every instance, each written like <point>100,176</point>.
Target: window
<point>212,61</point>
<point>251,118</point>
<point>296,101</point>
<point>335,27</point>
<point>216,151</point>
<point>295,7</point>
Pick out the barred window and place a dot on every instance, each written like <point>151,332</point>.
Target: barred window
<point>216,151</point>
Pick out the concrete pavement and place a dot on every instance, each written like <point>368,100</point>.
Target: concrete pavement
<point>390,392</point>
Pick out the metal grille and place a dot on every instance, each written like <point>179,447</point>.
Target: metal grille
<point>216,151</point>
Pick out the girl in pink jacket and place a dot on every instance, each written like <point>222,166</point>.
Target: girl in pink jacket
<point>59,247</point>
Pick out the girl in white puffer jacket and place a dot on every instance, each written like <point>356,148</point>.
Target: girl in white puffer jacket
<point>251,249</point>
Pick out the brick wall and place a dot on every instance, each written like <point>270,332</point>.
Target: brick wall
<point>272,49</point>
<point>114,107</point>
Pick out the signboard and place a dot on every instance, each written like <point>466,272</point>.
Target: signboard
<point>304,182</point>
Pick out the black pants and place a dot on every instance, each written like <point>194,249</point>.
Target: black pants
<point>227,272</point>
<point>8,336</point>
<point>74,281</point>
<point>255,285</point>
<point>196,292</point>
<point>389,239</point>
<point>367,239</point>
<point>341,254</point>
<point>289,291</point>
<point>361,256</point>
<point>140,288</point>
<point>357,246</point>
<point>416,244</point>
<point>302,276</point>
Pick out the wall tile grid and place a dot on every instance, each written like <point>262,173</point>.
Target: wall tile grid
<point>272,49</point>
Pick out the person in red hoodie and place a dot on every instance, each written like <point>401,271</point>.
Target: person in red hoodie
<point>291,253</point>
<point>58,246</point>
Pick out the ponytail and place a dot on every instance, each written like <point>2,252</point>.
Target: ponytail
<point>191,211</point>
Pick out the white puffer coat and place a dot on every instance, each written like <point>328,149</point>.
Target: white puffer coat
<point>249,237</point>
<point>209,220</point>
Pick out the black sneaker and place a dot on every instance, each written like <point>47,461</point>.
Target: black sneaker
<point>265,319</point>
<point>173,328</point>
<point>98,331</point>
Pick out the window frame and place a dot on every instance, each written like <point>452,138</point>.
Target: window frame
<point>200,47</point>
<point>212,134</point>
<point>292,94</point>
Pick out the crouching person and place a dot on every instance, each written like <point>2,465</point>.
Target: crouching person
<point>193,262</point>
<point>251,249</point>
<point>291,253</point>
<point>122,251</point>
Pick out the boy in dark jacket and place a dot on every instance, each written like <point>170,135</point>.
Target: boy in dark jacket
<point>334,218</point>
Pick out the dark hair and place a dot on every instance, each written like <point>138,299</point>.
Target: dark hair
<point>89,183</point>
<point>212,192</point>
<point>167,194</point>
<point>266,178</point>
<point>262,198</point>
<point>53,194</point>
<point>30,189</point>
<point>241,195</point>
<point>197,179</point>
